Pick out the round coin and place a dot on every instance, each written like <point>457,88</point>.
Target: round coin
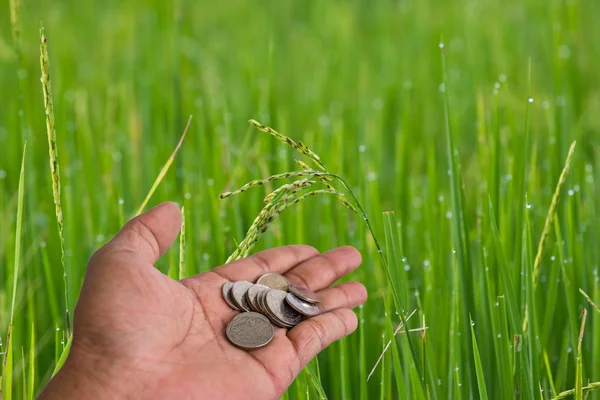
<point>304,294</point>
<point>262,301</point>
<point>274,281</point>
<point>252,295</point>
<point>238,293</point>
<point>227,296</point>
<point>303,307</point>
<point>250,330</point>
<point>275,302</point>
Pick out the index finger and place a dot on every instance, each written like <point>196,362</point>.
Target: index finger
<point>278,260</point>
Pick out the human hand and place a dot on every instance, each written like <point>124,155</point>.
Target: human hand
<point>139,334</point>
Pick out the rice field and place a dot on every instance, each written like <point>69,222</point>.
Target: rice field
<point>467,130</point>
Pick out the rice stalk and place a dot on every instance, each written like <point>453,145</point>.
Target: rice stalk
<point>54,167</point>
<point>551,211</point>
<point>579,368</point>
<point>15,8</point>
<point>164,169</point>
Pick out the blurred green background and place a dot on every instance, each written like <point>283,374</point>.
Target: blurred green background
<point>360,82</point>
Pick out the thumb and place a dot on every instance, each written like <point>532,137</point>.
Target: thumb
<point>148,235</point>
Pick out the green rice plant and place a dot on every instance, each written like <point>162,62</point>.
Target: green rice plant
<point>54,167</point>
<point>289,194</point>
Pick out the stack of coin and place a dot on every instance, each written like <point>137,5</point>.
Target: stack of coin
<point>272,300</point>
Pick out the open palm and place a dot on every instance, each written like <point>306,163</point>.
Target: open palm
<point>140,334</point>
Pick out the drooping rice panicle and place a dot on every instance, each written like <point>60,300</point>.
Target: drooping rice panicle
<point>260,182</point>
<point>299,147</point>
<point>551,211</point>
<point>302,183</point>
<point>326,179</point>
<point>54,167</point>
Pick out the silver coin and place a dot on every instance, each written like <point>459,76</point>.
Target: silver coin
<point>250,330</point>
<point>274,281</point>
<point>303,307</point>
<point>275,302</point>
<point>227,296</point>
<point>262,301</point>
<point>252,295</point>
<point>304,294</point>
<point>238,293</point>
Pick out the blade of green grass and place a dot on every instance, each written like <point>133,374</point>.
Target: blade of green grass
<point>164,169</point>
<point>478,366</point>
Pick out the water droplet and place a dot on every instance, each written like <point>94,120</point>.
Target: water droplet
<point>441,45</point>
<point>121,201</point>
<point>564,52</point>
<point>324,120</point>
<point>407,267</point>
<point>453,251</point>
<point>531,100</point>
<point>2,174</point>
<point>362,148</point>
<point>472,323</point>
<point>426,263</point>
<point>528,206</point>
<point>403,259</point>
<point>459,383</point>
<point>552,258</point>
<point>205,256</point>
<point>499,335</point>
<point>210,182</point>
<point>569,350</point>
<point>571,192</point>
<point>442,87</point>
<point>497,304</point>
<point>439,382</point>
<point>497,85</point>
<point>456,369</point>
<point>187,195</point>
<point>545,104</point>
<point>377,104</point>
<point>502,78</point>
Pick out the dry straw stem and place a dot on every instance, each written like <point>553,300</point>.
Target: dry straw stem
<point>589,300</point>
<point>550,216</point>
<point>397,331</point>
<point>54,168</point>
<point>164,169</point>
<point>571,392</point>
